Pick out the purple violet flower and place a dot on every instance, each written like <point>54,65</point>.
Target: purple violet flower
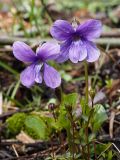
<point>77,40</point>
<point>38,68</point>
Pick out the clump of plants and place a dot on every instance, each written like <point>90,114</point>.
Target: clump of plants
<point>81,119</point>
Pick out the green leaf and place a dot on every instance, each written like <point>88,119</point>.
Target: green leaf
<point>99,116</point>
<point>36,127</point>
<point>51,124</point>
<point>85,108</point>
<point>63,121</point>
<point>103,149</point>
<point>70,100</point>
<point>110,155</point>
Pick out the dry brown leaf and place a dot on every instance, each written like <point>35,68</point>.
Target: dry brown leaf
<point>24,138</point>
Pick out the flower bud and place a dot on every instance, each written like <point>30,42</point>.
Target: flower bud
<point>92,93</point>
<point>51,106</point>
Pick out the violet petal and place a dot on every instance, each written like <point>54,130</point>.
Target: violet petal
<point>93,52</point>
<point>51,77</point>
<point>64,51</point>
<point>27,77</point>
<point>61,30</point>
<point>23,52</point>
<point>38,74</point>
<point>90,30</point>
<point>48,51</point>
<point>77,52</point>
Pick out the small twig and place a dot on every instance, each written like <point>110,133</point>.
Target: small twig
<point>112,33</point>
<point>100,41</point>
<point>112,41</point>
<point>5,40</point>
<point>99,142</point>
<point>62,146</point>
<point>116,147</point>
<point>111,122</point>
<point>107,139</point>
<point>36,144</point>
<point>15,151</point>
<point>117,122</point>
<point>104,151</point>
<point>8,114</point>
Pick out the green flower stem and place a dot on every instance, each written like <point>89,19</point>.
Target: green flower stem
<point>86,100</point>
<point>70,141</point>
<point>94,144</point>
<point>86,81</point>
<point>71,137</point>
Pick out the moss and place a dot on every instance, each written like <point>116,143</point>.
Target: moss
<point>32,124</point>
<point>15,123</point>
<point>36,127</point>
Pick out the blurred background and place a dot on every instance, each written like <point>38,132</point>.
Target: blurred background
<point>31,18</point>
<point>30,21</point>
